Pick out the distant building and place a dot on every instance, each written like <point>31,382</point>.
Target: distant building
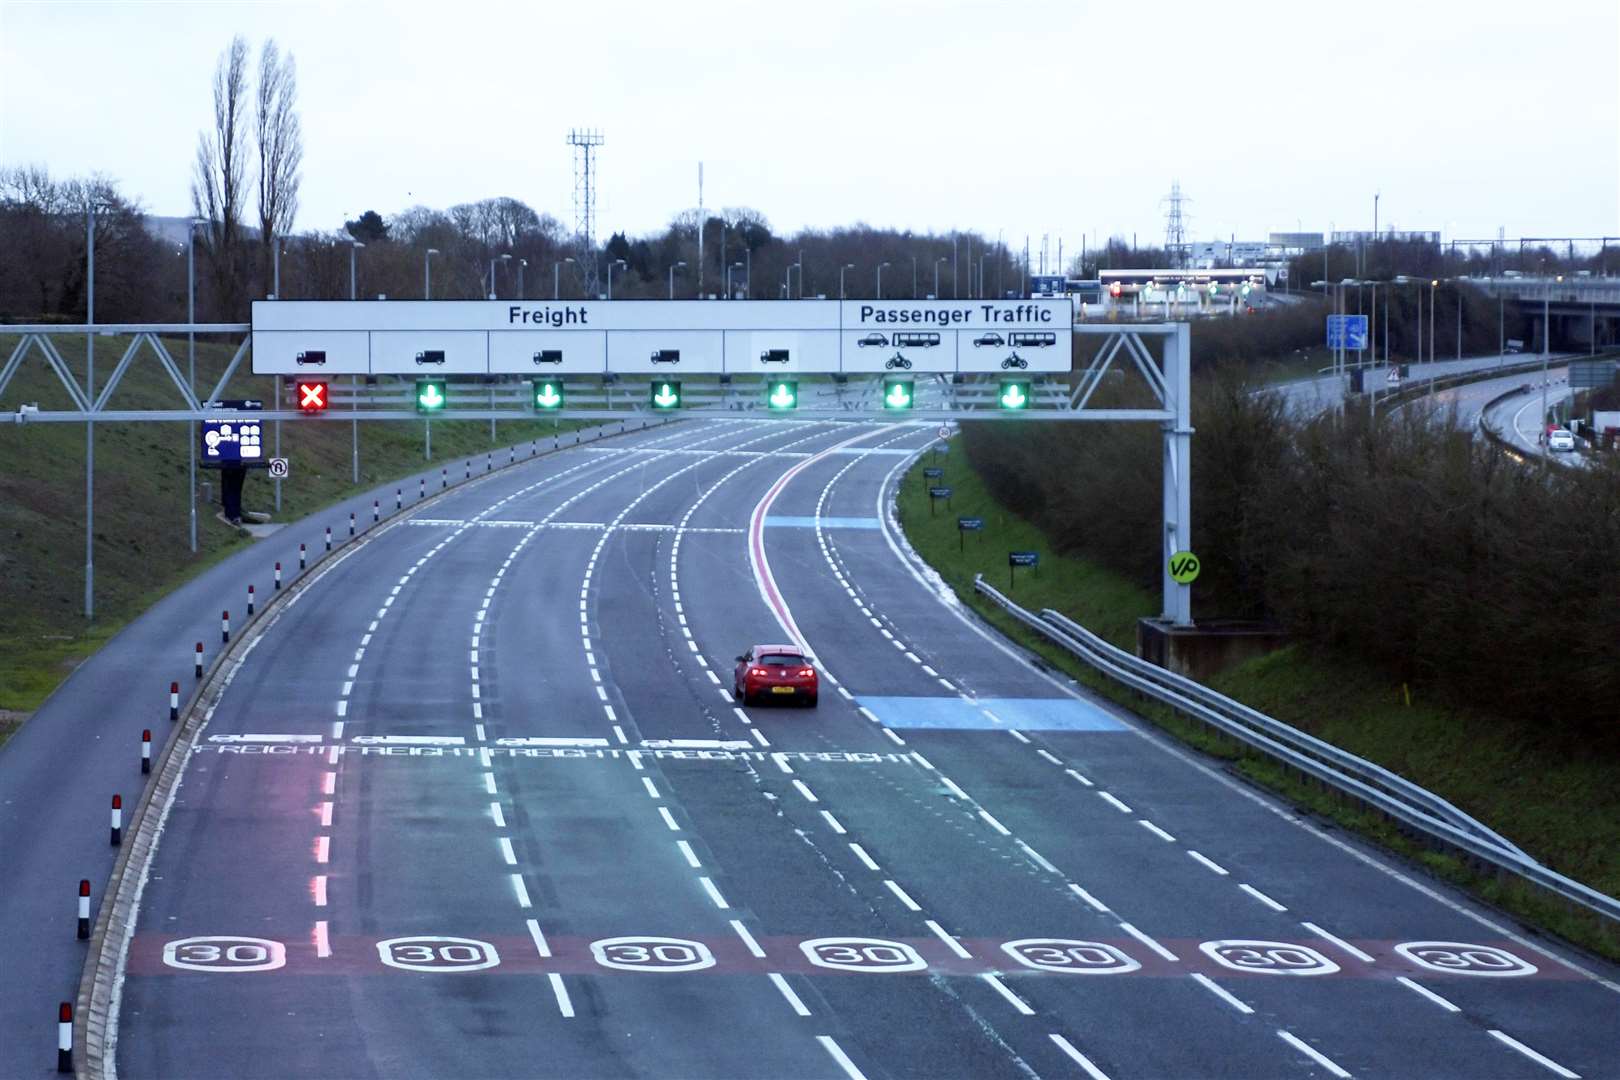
<point>1404,236</point>
<point>1296,243</point>
<point>1208,254</point>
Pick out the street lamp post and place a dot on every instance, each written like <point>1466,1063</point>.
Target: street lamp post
<point>1434,313</point>
<point>493,260</point>
<point>748,271</point>
<point>521,264</point>
<point>427,273</point>
<point>937,261</point>
<point>729,268</point>
<point>354,245</point>
<point>354,383</point>
<point>981,273</point>
<point>880,279</point>
<point>841,269</point>
<point>672,270</point>
<point>556,277</point>
<point>800,267</point>
<point>191,364</point>
<point>611,265</point>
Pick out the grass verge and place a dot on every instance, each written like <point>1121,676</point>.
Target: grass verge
<point>1556,802</point>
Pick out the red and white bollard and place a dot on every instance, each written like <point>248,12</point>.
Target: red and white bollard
<point>64,1037</point>
<point>421,489</point>
<point>376,511</point>
<point>444,477</point>
<point>278,577</point>
<point>225,627</point>
<point>329,538</point>
<point>146,751</point>
<point>469,468</point>
<point>117,820</point>
<point>399,499</point>
<point>84,908</point>
<point>199,659</point>
<point>489,461</point>
<point>302,557</point>
<point>511,456</point>
<point>174,702</point>
<point>351,524</point>
<point>250,601</point>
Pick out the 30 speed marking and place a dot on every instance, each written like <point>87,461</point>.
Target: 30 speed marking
<point>652,954</point>
<point>1268,957</point>
<point>862,954</point>
<point>437,954</point>
<point>1460,958</point>
<point>1070,956</point>
<point>226,954</point>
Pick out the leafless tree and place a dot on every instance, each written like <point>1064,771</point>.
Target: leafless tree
<point>218,178</point>
<point>280,144</point>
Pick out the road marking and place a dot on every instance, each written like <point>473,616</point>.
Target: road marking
<point>748,939</point>
<point>1078,777</point>
<point>539,937</point>
<point>1013,999</point>
<point>741,715</point>
<point>1079,1059</point>
<point>1088,898</point>
<point>1149,942</point>
<point>1155,830</point>
<point>847,695</point>
<point>1340,942</point>
<point>347,688</point>
<point>833,822</point>
<point>323,940</point>
<point>868,713</point>
<point>930,672</point>
<point>950,942</point>
<point>714,894</point>
<point>1426,992</point>
<point>924,762</point>
<point>323,848</point>
<point>809,795</point>
<point>1262,897</point>
<point>320,890</point>
<point>759,736</point>
<point>897,740</point>
<point>1049,756</point>
<point>904,897</point>
<point>329,783</point>
<point>668,819</point>
<point>1014,732</point>
<point>1115,803</point>
<point>1215,988</point>
<point>842,1058</point>
<point>564,1005</point>
<point>691,856</point>
<point>507,853</point>
<point>781,763</point>
<point>955,790</point>
<point>860,853</point>
<point>521,890</point>
<point>652,790</point>
<point>1215,866</point>
<point>994,824</point>
<point>1039,858</point>
<point>1539,1059</point>
<point>326,815</point>
<point>1317,1056</point>
<point>787,992</point>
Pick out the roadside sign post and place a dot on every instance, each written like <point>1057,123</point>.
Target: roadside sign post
<point>1015,559</point>
<point>965,525</point>
<point>938,493</point>
<point>932,473</point>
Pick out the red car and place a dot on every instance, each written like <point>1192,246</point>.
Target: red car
<point>775,671</point>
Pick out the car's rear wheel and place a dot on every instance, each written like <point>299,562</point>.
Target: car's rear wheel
<point>810,701</point>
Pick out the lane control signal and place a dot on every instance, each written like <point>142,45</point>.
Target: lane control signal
<point>784,394</point>
<point>430,395</point>
<point>1014,394</point>
<point>312,397</point>
<point>897,393</point>
<point>666,395</point>
<point>548,394</point>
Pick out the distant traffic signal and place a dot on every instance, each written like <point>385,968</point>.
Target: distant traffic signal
<point>784,394</point>
<point>548,394</point>
<point>666,395</point>
<point>312,396</point>
<point>430,395</point>
<point>1014,394</point>
<point>897,393</point>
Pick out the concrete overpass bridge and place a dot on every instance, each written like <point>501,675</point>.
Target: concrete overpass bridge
<point>1582,311</point>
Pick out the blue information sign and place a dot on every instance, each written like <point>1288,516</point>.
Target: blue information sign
<point>1347,331</point>
<point>235,441</point>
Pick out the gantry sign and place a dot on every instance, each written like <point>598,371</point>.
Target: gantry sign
<point>662,339</point>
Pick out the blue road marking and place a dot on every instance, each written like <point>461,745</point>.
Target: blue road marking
<point>1021,714</point>
<point>786,522</point>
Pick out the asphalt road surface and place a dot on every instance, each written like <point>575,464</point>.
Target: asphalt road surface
<point>479,803</point>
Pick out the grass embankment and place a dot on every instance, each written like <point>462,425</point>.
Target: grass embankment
<point>141,533</point>
<point>1563,809</point>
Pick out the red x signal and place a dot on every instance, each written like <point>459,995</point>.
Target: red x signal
<point>312,396</point>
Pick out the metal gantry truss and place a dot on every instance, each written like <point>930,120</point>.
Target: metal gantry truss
<point>937,397</point>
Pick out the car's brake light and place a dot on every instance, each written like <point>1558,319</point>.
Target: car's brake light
<point>807,671</point>
<point>758,671</point>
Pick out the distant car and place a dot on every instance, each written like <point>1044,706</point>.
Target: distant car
<point>430,356</point>
<point>774,356</point>
<point>897,362</point>
<point>1014,361</point>
<point>666,356</point>
<point>873,339</point>
<point>1560,440</point>
<point>548,356</point>
<point>313,356</point>
<point>775,672</point>
<point>988,341</point>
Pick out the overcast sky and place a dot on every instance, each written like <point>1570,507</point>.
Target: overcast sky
<point>1069,118</point>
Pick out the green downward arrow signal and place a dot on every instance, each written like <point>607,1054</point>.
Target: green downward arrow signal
<point>1013,396</point>
<point>898,396</point>
<point>667,396</point>
<point>430,395</point>
<point>547,396</point>
<point>784,396</point>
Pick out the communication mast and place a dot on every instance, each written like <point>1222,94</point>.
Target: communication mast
<point>1175,227</point>
<point>585,141</point>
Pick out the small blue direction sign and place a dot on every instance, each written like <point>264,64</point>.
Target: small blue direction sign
<point>933,474</point>
<point>1347,331</point>
<point>965,525</point>
<point>939,492</point>
<point>1015,559</point>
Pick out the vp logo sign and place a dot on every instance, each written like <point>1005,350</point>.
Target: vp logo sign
<point>1184,567</point>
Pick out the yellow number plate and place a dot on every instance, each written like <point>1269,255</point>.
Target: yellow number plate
<point>781,689</point>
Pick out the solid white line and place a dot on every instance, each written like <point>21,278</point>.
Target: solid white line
<point>1015,733</point>
<point>652,790</point>
<point>507,853</point>
<point>1262,897</point>
<point>833,822</point>
<point>323,940</point>
<point>994,824</point>
<point>897,740</point>
<point>691,856</point>
<point>1078,777</point>
<point>957,791</point>
<point>748,939</point>
<point>1039,858</point>
<point>950,942</point>
<point>714,894</point>
<point>564,1005</point>
<point>1013,999</point>
<point>904,897</point>
<point>809,795</point>
<point>521,890</point>
<point>787,992</point>
<point>1539,1059</point>
<point>1115,803</point>
<point>1049,756</point>
<point>668,819</point>
<point>842,1058</point>
<point>860,853</point>
<point>1426,992</point>
<point>323,848</point>
<point>1316,1055</point>
<point>1215,866</point>
<point>1087,897</point>
<point>1155,830</point>
<point>1079,1059</point>
<point>1340,942</point>
<point>1215,988</point>
<point>539,938</point>
<point>1149,942</point>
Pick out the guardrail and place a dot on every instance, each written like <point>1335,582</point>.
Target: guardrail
<point>1414,808</point>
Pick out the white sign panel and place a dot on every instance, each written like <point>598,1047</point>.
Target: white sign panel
<point>476,337</point>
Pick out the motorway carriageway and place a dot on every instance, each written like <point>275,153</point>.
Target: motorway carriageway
<point>478,803</point>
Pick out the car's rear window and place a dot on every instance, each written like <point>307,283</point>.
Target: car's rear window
<point>780,660</point>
